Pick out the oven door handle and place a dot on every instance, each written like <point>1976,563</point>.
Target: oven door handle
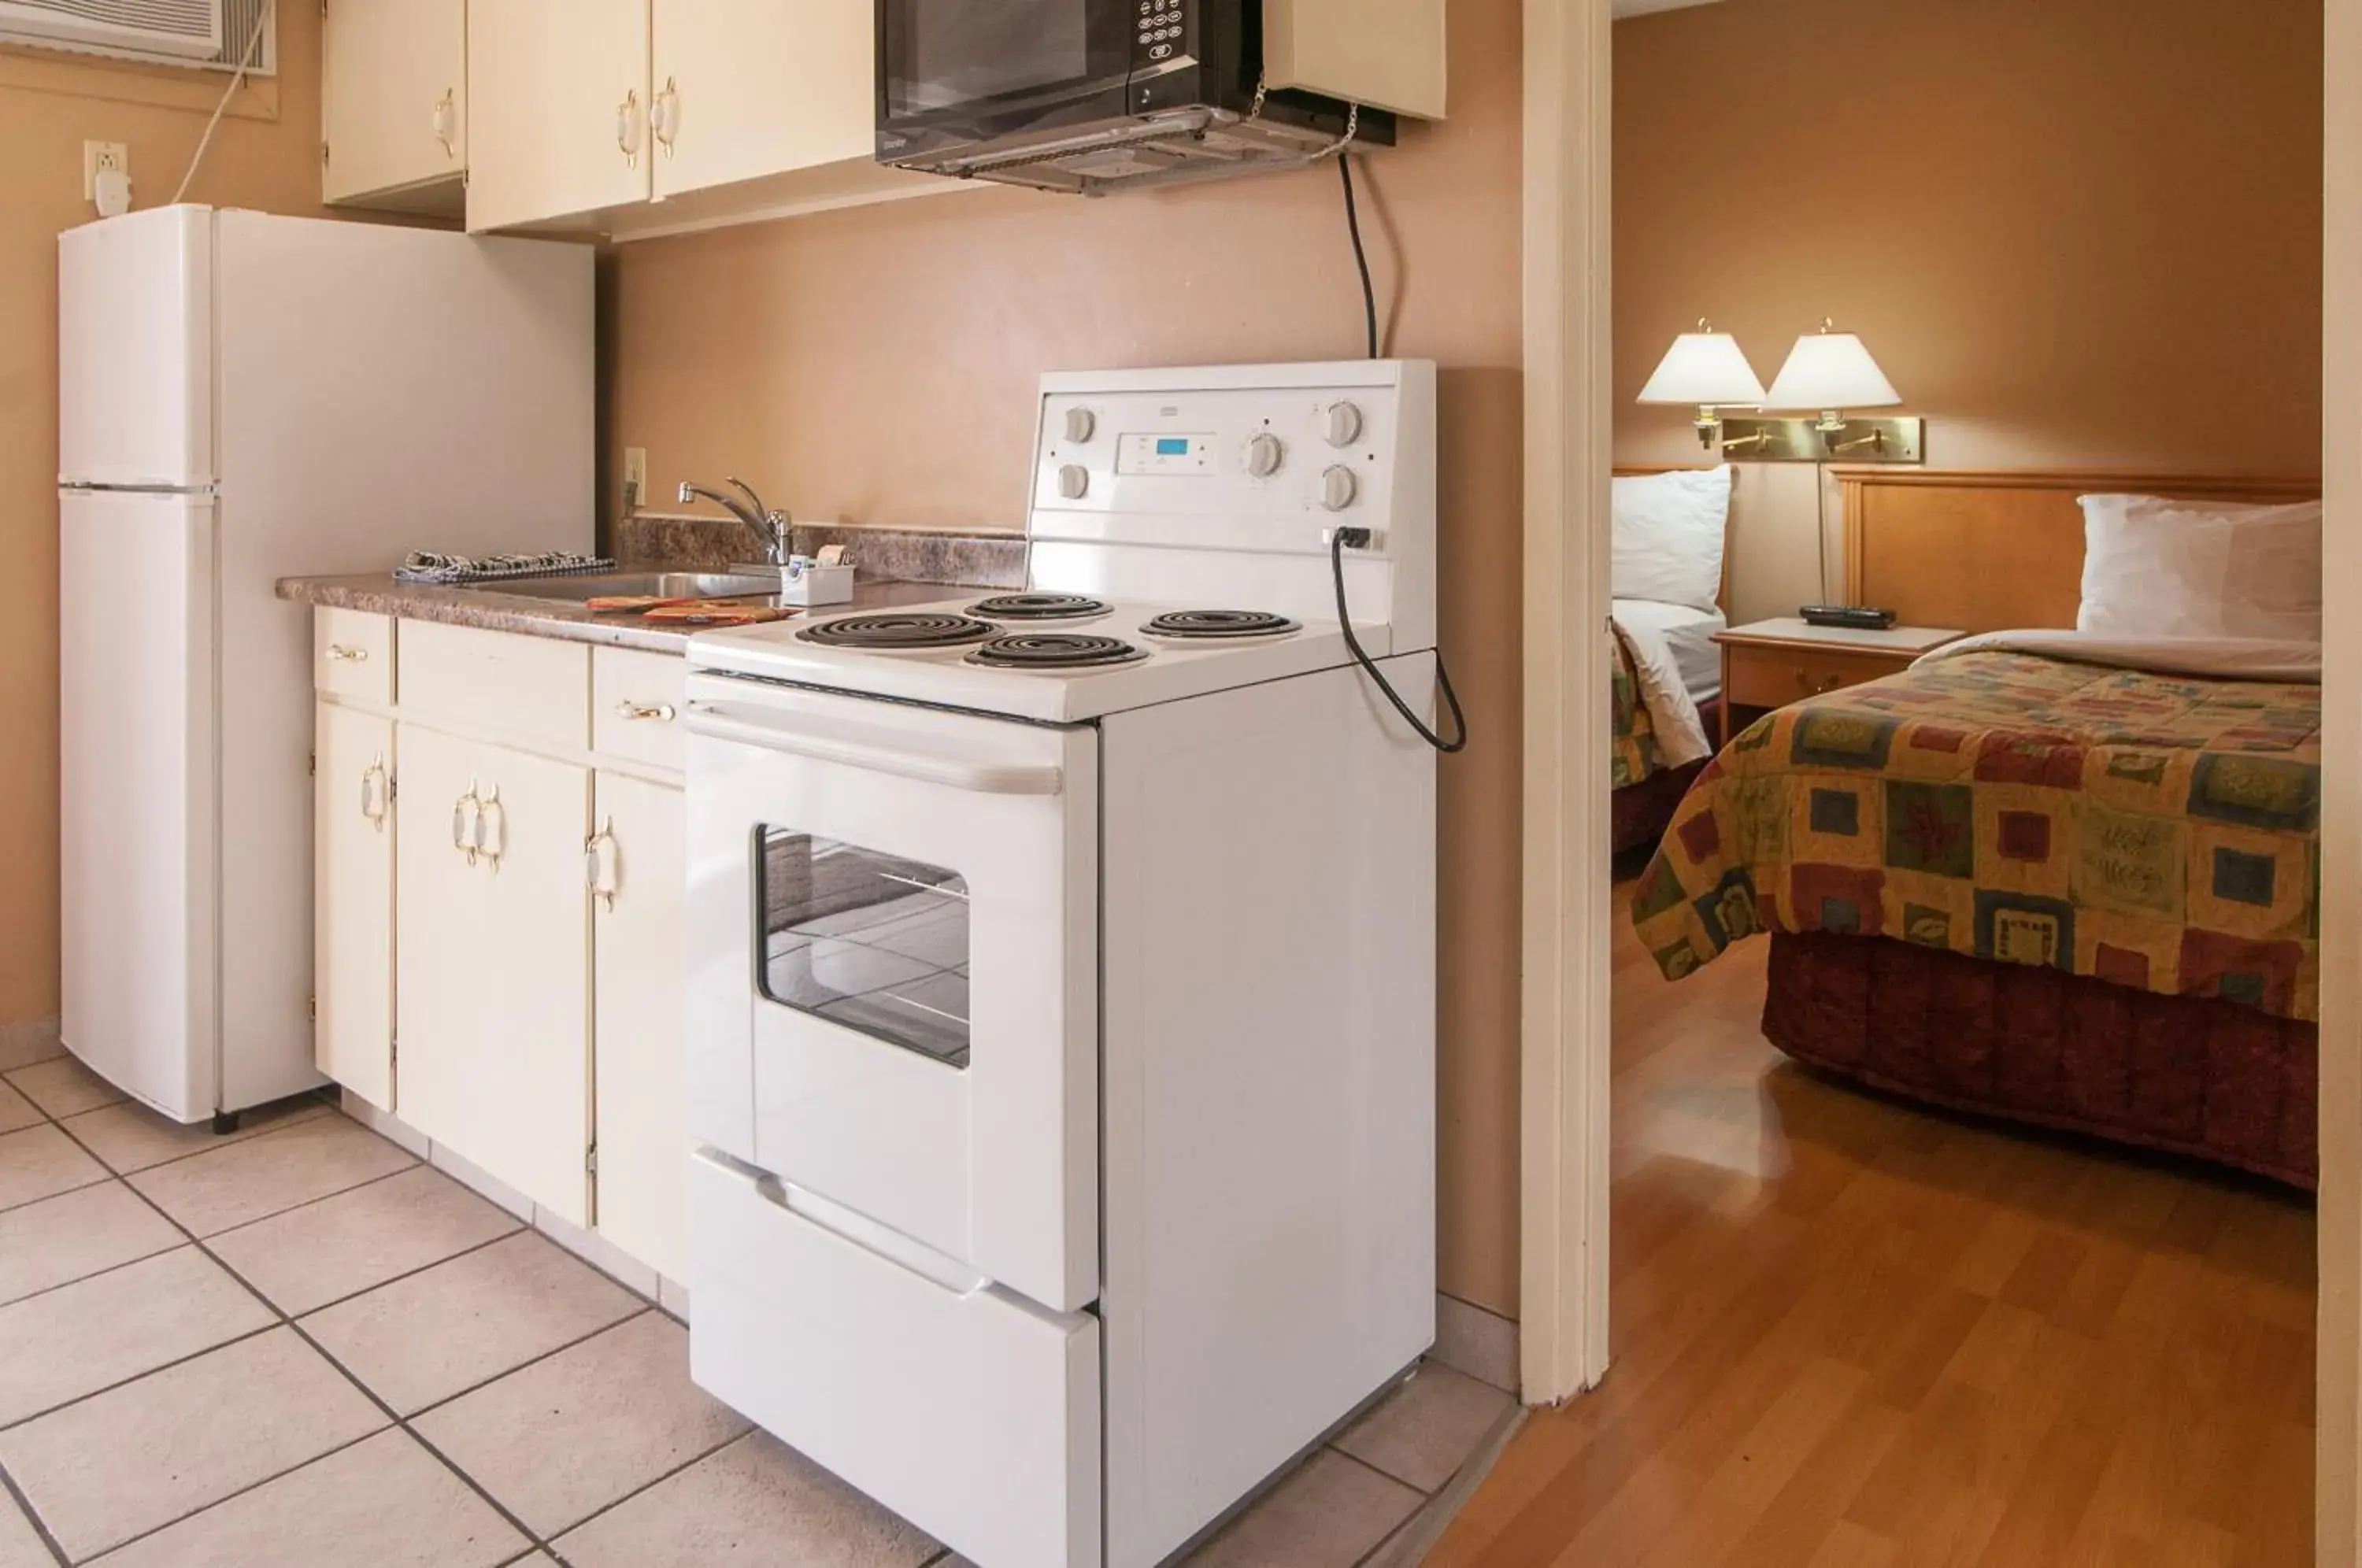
<point>977,778</point>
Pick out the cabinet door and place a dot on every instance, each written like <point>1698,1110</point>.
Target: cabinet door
<point>752,87</point>
<point>394,94</point>
<point>640,978</point>
<point>352,905</point>
<point>493,962</point>
<point>557,108</point>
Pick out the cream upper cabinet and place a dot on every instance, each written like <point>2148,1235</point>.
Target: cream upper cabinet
<point>748,88</point>
<point>558,122</point>
<point>394,95</point>
<point>352,908</point>
<point>638,870</point>
<point>492,958</point>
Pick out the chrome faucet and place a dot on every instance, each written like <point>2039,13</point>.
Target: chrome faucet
<point>770,526</point>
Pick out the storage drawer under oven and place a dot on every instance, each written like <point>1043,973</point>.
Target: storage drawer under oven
<point>969,1411</point>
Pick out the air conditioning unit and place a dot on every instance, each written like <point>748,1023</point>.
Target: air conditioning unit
<point>183,30</point>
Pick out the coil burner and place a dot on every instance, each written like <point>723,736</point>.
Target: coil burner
<point>1054,650</point>
<point>896,634</point>
<point>1041,607</point>
<point>1212,625</point>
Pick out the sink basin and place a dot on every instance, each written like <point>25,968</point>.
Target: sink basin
<point>635,584</point>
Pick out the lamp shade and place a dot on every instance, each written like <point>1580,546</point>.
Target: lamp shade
<point>1831,370</point>
<point>1705,368</point>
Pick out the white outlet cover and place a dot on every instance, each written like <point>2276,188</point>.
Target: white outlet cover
<point>98,155</point>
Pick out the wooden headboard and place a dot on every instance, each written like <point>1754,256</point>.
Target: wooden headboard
<point>1642,471</point>
<point>1986,550</point>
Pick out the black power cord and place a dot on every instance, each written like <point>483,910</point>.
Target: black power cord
<point>1361,255</point>
<point>1359,537</point>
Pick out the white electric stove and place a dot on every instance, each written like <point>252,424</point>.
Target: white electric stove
<point>1063,979</point>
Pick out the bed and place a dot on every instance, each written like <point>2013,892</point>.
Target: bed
<point>1672,586</point>
<point>2064,877</point>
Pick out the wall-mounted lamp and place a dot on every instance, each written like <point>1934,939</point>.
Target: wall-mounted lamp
<point>1829,371</point>
<point>1706,369</point>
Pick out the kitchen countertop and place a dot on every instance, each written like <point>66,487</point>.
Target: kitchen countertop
<point>489,609</point>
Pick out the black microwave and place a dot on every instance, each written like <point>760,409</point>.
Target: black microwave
<point>1087,95</point>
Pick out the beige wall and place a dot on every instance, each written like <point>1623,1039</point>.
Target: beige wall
<point>880,365</point>
<point>266,155</point>
<point>2082,233</point>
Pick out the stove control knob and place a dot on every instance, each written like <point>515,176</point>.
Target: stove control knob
<point>1264,454</point>
<point>1073,481</point>
<point>1081,425</point>
<point>1338,489</point>
<point>1341,422</point>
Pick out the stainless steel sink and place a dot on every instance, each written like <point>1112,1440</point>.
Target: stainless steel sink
<point>637,584</point>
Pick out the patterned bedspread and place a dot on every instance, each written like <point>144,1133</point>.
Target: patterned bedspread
<point>1636,756</point>
<point>2159,832</point>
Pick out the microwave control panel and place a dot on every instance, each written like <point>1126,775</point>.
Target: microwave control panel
<point>1161,34</point>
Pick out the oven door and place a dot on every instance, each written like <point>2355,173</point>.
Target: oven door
<point>895,929</point>
<point>955,71</point>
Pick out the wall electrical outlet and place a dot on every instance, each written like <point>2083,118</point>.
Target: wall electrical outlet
<point>98,155</point>
<point>636,476</point>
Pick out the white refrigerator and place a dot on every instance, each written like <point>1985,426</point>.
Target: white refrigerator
<point>243,398</point>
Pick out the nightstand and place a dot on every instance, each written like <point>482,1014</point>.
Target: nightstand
<point>1770,664</point>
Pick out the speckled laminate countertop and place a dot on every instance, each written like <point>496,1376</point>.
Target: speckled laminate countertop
<point>489,608</point>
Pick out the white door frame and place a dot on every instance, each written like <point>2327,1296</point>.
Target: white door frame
<point>1569,434</point>
<point>1569,429</point>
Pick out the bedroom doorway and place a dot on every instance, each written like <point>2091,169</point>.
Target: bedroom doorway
<point>1573,961</point>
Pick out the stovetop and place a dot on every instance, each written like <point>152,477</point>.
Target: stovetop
<point>1055,657</point>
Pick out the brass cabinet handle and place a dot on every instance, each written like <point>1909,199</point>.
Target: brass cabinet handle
<point>491,834</point>
<point>664,114</point>
<point>602,866</point>
<point>627,127</point>
<point>340,654</point>
<point>375,794</point>
<point>633,712</point>
<point>466,823</point>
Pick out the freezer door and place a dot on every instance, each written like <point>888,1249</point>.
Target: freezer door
<point>137,783</point>
<point>135,351</point>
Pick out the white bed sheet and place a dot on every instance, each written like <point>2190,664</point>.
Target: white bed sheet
<point>1689,634</point>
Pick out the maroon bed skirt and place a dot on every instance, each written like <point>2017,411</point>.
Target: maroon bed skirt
<point>2187,1074</point>
<point>1640,813</point>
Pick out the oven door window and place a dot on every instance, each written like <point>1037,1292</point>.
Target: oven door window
<point>872,942</point>
<point>965,56</point>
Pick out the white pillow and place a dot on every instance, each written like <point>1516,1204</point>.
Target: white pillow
<point>2155,568</point>
<point>1669,534</point>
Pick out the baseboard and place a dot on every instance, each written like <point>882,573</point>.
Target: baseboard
<point>1481,1343</point>
<point>22,1044</point>
<point>589,1245</point>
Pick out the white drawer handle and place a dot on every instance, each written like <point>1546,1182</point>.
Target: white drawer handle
<point>602,866</point>
<point>633,712</point>
<point>340,654</point>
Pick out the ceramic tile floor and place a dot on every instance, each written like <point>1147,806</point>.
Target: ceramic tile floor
<point>297,1345</point>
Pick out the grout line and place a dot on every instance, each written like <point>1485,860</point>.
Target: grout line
<point>78,1186</point>
<point>392,1416</point>
<point>398,1278</point>
<point>231,1141</point>
<point>16,1422</point>
<point>632,1316</point>
<point>25,1506</point>
<point>1382,1474</point>
<point>696,1459</point>
<point>250,1486</point>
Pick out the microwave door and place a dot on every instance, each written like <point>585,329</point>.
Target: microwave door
<point>969,69</point>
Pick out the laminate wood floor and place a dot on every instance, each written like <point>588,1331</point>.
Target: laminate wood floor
<point>1852,1333</point>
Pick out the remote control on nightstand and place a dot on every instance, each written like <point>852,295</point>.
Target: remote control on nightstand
<point>1855,617</point>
